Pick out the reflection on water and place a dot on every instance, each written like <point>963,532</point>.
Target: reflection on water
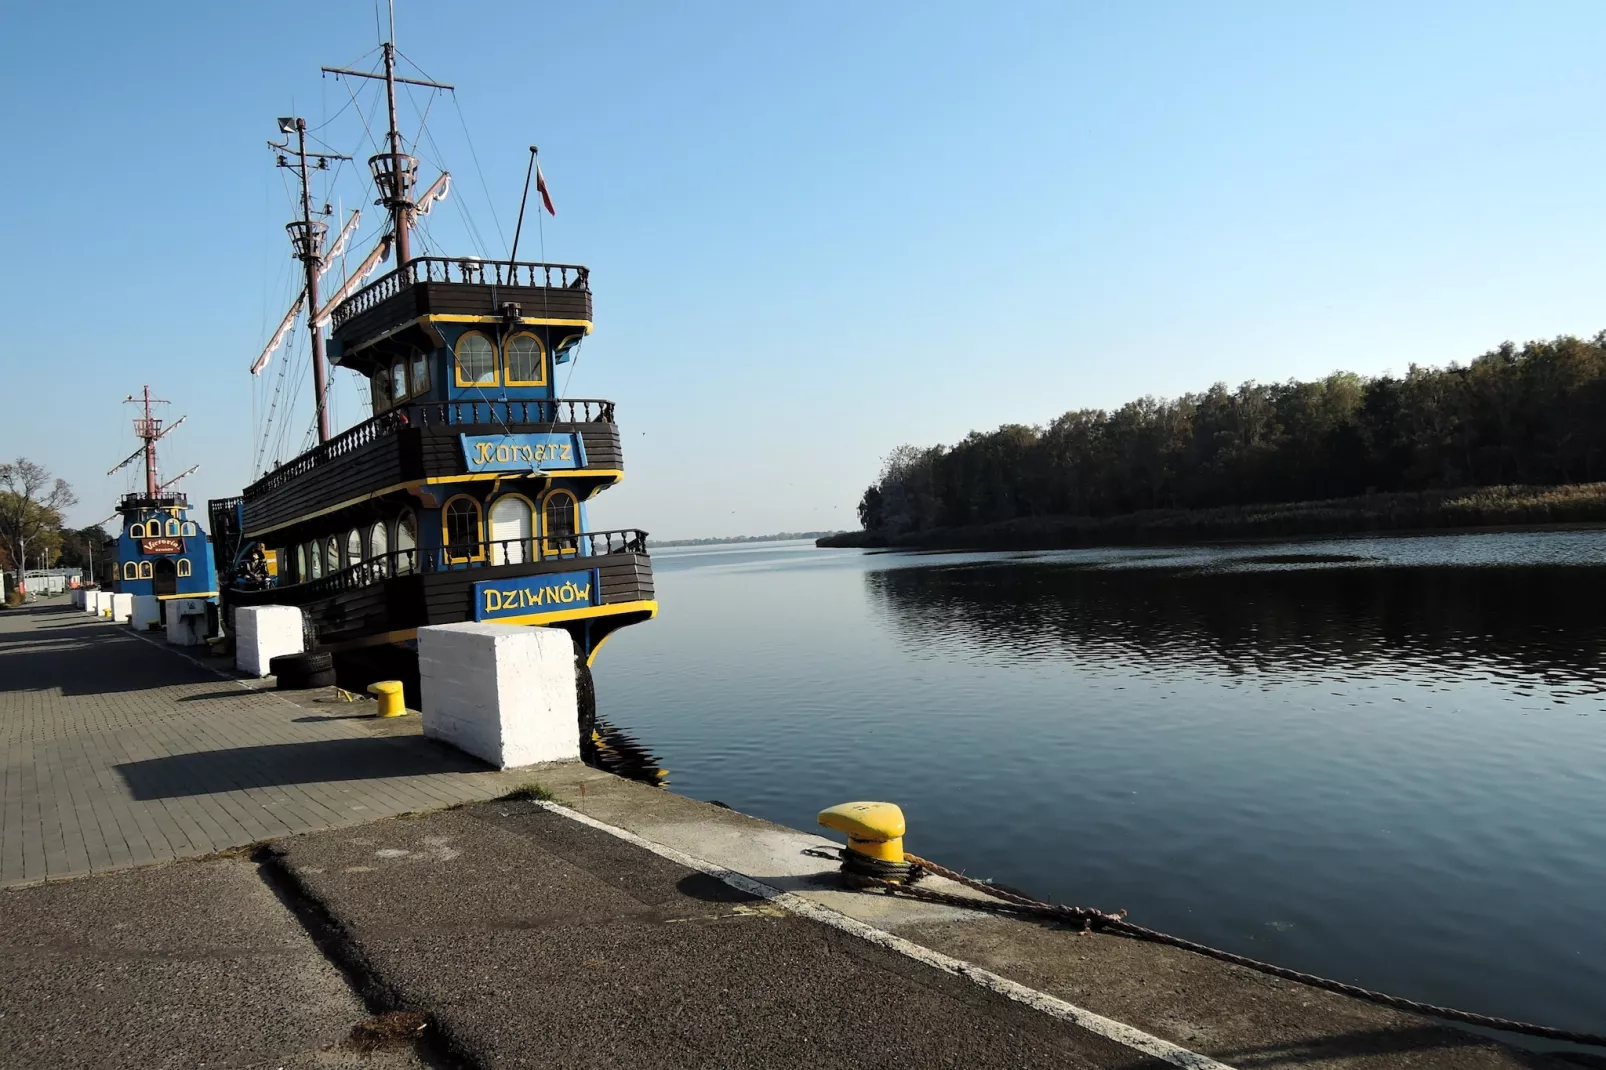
<point>1380,759</point>
<point>1532,625</point>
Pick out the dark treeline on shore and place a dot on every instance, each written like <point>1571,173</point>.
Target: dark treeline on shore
<point>1533,415</point>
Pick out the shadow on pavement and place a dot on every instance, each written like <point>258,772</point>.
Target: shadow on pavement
<point>180,775</point>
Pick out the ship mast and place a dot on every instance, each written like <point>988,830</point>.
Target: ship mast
<point>401,203</point>
<point>395,172</point>
<point>306,236</point>
<point>148,429</point>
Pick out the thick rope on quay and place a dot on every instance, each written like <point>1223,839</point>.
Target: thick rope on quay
<point>1008,902</point>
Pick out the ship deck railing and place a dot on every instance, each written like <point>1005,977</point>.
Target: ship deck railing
<point>513,274</point>
<point>535,549</point>
<point>550,411</point>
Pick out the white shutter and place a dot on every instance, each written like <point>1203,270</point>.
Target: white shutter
<point>510,519</point>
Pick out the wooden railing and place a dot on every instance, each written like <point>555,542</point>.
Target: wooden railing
<point>537,411</point>
<point>162,500</point>
<point>516,274</point>
<point>584,546</point>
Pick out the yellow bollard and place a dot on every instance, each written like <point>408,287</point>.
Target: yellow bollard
<point>389,693</point>
<point>875,839</point>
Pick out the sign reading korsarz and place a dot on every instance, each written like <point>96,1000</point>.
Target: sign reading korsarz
<point>548,593</point>
<point>522,452</point>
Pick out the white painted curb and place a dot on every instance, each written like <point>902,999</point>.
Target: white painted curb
<point>1108,1028</point>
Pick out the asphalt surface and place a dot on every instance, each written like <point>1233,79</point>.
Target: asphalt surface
<point>196,964</point>
<point>537,941</point>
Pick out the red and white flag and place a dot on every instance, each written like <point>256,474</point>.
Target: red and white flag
<point>540,185</point>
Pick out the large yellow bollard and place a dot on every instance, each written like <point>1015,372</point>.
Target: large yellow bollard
<point>875,839</point>
<point>389,693</point>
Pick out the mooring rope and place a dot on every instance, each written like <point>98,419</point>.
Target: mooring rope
<point>1090,920</point>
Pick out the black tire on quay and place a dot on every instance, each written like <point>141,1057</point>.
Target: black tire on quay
<point>297,672</point>
<point>300,664</point>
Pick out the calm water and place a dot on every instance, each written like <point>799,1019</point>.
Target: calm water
<point>1382,760</point>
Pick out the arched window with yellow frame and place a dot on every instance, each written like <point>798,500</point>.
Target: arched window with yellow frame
<point>130,570</point>
<point>463,529</point>
<point>524,360</point>
<point>475,360</point>
<point>184,566</point>
<point>190,528</point>
<point>174,528</point>
<point>560,523</point>
<point>136,530</point>
<point>145,570</point>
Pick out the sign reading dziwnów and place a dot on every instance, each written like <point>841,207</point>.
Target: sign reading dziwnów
<point>526,595</point>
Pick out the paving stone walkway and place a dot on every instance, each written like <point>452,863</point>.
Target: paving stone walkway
<point>116,751</point>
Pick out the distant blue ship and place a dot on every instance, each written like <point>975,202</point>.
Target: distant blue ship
<point>161,551</point>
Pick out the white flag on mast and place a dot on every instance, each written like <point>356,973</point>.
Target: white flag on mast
<point>278,335</point>
<point>381,252</point>
<point>339,246</point>
<point>436,192</point>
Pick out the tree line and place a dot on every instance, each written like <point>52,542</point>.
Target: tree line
<point>32,529</point>
<point>1530,415</point>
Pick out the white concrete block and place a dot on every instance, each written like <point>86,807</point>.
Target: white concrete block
<point>92,602</point>
<point>122,608</point>
<point>262,633</point>
<point>500,692</point>
<point>186,621</point>
<point>147,611</point>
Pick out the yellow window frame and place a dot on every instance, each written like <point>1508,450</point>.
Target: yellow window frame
<point>145,570</point>
<point>548,548</point>
<point>174,529</point>
<point>457,361</point>
<point>479,527</point>
<point>136,530</point>
<point>130,570</point>
<point>507,367</point>
<point>184,566</point>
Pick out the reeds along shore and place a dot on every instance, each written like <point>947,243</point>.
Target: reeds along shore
<point>1478,507</point>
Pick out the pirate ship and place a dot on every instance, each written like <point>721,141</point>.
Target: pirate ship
<point>161,551</point>
<point>463,494</point>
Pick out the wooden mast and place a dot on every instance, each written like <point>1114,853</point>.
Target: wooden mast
<point>311,253</point>
<point>401,205</point>
<point>394,171</point>
<point>147,429</point>
<point>306,237</point>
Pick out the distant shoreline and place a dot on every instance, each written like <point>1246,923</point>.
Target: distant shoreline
<point>1571,505</point>
<point>782,536</point>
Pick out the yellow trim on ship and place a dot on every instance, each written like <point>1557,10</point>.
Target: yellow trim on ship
<point>537,321</point>
<point>188,594</point>
<point>528,321</point>
<point>610,609</point>
<point>615,475</point>
<point>607,609</point>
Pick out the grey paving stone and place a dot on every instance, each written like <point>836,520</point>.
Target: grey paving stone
<point>116,750</point>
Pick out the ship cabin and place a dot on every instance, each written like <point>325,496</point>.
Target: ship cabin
<point>464,496</point>
<point>161,551</point>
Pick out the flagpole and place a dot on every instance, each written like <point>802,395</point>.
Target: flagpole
<point>528,171</point>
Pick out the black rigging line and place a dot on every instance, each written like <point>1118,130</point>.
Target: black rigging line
<point>489,200</point>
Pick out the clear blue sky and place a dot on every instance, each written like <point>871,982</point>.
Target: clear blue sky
<point>819,230</point>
